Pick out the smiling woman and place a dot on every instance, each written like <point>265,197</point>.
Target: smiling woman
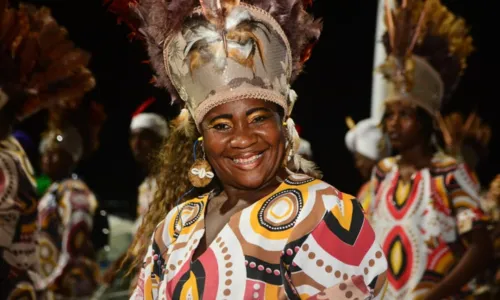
<point>244,142</point>
<point>267,228</point>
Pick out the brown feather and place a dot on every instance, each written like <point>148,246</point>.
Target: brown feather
<point>216,11</point>
<point>3,7</point>
<point>48,65</point>
<point>426,28</point>
<point>59,50</point>
<point>28,55</point>
<point>13,31</point>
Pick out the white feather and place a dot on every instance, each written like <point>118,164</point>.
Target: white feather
<point>219,55</point>
<point>245,49</point>
<point>195,34</point>
<point>236,16</point>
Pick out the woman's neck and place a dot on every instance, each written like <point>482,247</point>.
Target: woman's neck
<point>250,196</point>
<point>418,156</point>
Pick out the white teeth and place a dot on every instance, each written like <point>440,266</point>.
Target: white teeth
<point>246,161</point>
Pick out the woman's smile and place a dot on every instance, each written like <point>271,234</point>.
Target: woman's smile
<point>248,161</point>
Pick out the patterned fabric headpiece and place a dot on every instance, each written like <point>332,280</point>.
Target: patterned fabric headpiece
<point>427,50</point>
<point>366,138</point>
<point>210,52</point>
<point>147,120</point>
<point>39,65</point>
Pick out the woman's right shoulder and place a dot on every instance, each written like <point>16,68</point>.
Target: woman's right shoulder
<point>180,219</point>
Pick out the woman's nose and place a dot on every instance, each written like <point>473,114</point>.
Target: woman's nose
<point>243,137</point>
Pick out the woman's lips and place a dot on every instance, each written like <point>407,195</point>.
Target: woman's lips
<point>248,163</point>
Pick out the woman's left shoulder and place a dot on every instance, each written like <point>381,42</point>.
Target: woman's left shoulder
<point>321,202</point>
<point>331,244</point>
<point>317,190</point>
<point>343,207</point>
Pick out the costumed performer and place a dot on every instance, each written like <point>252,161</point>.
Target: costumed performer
<point>66,251</point>
<point>39,68</point>
<point>425,206</point>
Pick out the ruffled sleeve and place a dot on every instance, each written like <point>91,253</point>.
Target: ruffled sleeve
<point>151,273</point>
<point>463,193</point>
<point>339,258</point>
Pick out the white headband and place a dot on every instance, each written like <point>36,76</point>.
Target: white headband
<point>69,140</point>
<point>365,139</point>
<point>150,121</point>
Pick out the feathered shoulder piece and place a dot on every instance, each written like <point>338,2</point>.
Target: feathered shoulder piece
<point>207,52</point>
<point>427,48</point>
<point>75,128</point>
<point>38,58</point>
<point>459,132</point>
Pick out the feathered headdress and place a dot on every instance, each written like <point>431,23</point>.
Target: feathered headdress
<point>209,52</point>
<point>76,130</point>
<point>460,133</point>
<point>427,50</point>
<point>38,59</point>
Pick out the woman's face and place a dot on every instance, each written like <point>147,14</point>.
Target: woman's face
<point>401,124</point>
<point>144,143</point>
<point>244,141</point>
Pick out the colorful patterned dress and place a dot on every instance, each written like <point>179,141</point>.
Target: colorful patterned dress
<point>306,240</point>
<point>66,258</point>
<point>18,204</point>
<point>364,196</point>
<point>420,223</point>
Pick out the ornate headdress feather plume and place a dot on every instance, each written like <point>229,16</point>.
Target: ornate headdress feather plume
<point>155,20</point>
<point>427,48</point>
<point>459,132</point>
<point>80,126</point>
<point>40,60</point>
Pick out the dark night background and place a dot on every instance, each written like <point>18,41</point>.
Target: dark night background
<point>336,83</point>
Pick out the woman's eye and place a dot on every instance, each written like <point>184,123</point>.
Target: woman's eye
<point>221,126</point>
<point>259,119</point>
